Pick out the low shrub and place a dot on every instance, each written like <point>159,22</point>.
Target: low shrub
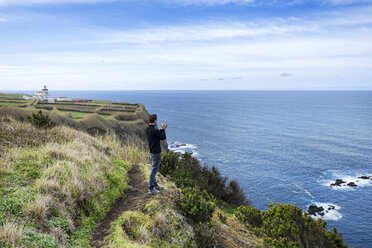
<point>205,235</point>
<point>197,205</point>
<point>169,163</point>
<point>40,120</point>
<point>284,225</point>
<point>186,171</point>
<point>250,215</point>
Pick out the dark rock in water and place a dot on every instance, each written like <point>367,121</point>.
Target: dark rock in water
<point>351,184</point>
<point>331,207</point>
<point>176,145</point>
<point>365,177</point>
<point>338,182</point>
<point>314,210</point>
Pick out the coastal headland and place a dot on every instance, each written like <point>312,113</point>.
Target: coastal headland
<point>74,173</point>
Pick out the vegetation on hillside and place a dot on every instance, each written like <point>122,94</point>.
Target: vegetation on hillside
<point>203,188</point>
<point>129,132</point>
<point>186,171</point>
<point>285,225</point>
<point>179,218</point>
<point>56,184</point>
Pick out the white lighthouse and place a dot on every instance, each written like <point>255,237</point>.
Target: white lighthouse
<point>46,93</point>
<point>42,95</point>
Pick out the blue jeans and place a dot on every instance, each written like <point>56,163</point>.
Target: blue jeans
<point>155,165</point>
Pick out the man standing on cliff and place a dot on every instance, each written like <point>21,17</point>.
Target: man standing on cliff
<point>154,136</point>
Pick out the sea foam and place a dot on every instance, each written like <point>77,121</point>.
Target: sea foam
<point>348,178</point>
<point>182,148</point>
<point>331,211</point>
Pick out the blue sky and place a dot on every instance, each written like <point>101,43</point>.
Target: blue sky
<point>186,44</point>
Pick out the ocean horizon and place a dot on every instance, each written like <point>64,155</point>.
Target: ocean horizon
<point>281,146</point>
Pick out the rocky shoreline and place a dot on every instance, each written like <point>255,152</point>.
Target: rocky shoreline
<point>342,183</point>
<point>315,210</point>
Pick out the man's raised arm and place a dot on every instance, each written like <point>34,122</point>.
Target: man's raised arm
<point>161,133</point>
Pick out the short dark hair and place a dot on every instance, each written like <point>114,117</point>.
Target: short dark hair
<point>153,118</point>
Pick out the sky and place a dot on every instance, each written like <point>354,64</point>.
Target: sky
<point>186,44</point>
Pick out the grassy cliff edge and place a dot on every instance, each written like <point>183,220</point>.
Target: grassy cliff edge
<point>57,183</point>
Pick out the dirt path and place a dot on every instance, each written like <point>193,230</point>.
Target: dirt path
<point>135,196</point>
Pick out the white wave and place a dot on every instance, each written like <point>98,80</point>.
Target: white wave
<point>304,190</point>
<point>177,144</point>
<point>330,213</point>
<point>182,148</point>
<point>359,182</point>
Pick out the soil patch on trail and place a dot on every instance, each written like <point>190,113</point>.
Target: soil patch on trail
<point>134,197</point>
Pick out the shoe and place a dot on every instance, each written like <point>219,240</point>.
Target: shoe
<point>159,188</point>
<point>154,191</point>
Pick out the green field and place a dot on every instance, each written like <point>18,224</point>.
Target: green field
<point>77,111</point>
<point>75,115</point>
<point>11,96</point>
<point>9,104</point>
<point>12,102</point>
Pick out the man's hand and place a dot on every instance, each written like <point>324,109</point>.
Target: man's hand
<point>164,126</point>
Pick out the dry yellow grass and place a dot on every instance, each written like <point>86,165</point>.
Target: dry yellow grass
<point>38,208</point>
<point>62,174</point>
<point>10,234</point>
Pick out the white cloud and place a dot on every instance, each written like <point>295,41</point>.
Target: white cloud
<point>331,24</point>
<point>158,66</point>
<point>204,32</point>
<point>315,50</point>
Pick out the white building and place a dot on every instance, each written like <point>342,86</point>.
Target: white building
<point>42,95</point>
<point>63,98</point>
<point>39,95</point>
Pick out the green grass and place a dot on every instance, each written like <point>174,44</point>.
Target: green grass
<point>81,115</point>
<point>10,104</point>
<point>105,115</point>
<point>75,115</point>
<point>13,102</point>
<point>159,225</point>
<point>78,111</point>
<point>68,180</point>
<point>11,96</point>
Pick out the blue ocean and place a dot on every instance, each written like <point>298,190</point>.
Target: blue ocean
<point>282,146</point>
